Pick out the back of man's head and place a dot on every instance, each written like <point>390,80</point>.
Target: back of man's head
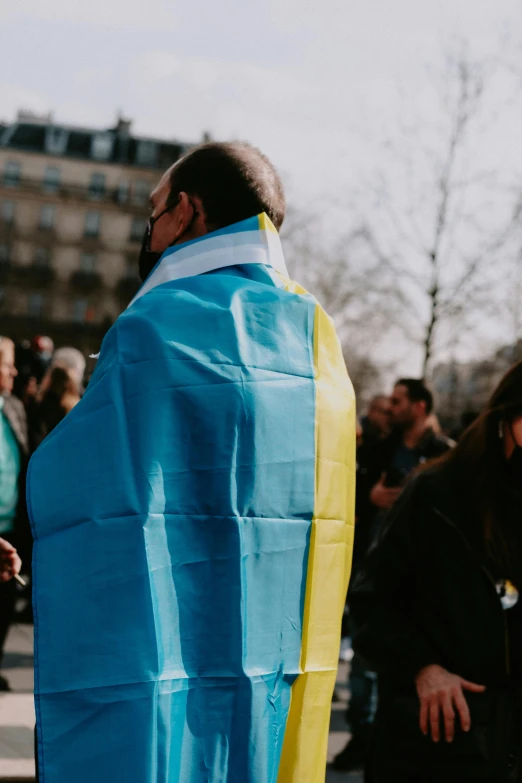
<point>417,392</point>
<point>234,181</point>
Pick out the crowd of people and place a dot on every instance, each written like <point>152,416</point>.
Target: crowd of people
<point>433,609</point>
<point>38,387</point>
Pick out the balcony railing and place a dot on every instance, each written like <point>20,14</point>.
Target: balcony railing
<point>35,275</point>
<point>5,270</point>
<point>38,275</point>
<point>72,191</point>
<point>85,281</point>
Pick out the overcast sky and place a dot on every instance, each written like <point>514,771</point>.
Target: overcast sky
<point>314,84</point>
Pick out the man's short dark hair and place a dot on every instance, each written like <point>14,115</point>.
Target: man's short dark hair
<point>234,181</point>
<point>417,391</point>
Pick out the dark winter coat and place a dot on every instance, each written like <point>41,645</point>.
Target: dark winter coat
<point>425,596</point>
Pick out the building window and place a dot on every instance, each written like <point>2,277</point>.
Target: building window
<point>80,307</point>
<point>92,224</point>
<point>137,231</point>
<point>141,193</point>
<point>47,217</point>
<point>56,141</point>
<point>88,263</point>
<point>102,146</point>
<point>12,173</point>
<point>122,194</point>
<point>147,153</point>
<point>8,210</point>
<point>97,185</point>
<point>42,256</point>
<point>51,181</point>
<point>35,305</point>
<point>4,253</point>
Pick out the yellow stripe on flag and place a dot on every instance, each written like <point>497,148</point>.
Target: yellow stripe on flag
<point>329,562</point>
<point>265,224</point>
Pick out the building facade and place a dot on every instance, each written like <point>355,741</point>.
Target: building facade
<point>73,211</point>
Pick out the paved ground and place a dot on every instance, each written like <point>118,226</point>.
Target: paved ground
<point>16,709</point>
<point>17,713</point>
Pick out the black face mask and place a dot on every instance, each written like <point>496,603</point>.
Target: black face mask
<point>149,258</point>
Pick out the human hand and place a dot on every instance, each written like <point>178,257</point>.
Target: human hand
<point>440,691</point>
<point>10,563</point>
<point>382,496</point>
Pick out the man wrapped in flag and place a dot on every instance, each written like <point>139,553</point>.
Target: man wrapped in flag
<point>193,515</point>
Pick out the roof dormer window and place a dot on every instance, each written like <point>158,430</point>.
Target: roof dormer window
<point>101,148</point>
<point>146,153</point>
<point>56,140</point>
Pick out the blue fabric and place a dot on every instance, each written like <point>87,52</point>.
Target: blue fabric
<point>172,512</point>
<point>9,473</point>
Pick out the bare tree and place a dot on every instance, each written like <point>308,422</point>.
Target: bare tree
<point>354,287</point>
<point>441,212</point>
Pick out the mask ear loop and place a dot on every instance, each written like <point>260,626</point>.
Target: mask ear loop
<point>501,430</point>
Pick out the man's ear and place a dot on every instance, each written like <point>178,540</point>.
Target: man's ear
<point>190,218</point>
<point>184,214</point>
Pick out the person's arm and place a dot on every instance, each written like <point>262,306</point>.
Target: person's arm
<point>383,497</point>
<point>380,496</point>
<point>441,693</point>
<point>10,563</point>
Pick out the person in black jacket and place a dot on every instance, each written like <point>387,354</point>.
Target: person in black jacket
<point>438,614</point>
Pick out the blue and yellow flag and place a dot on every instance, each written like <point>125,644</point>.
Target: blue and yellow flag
<point>193,524</point>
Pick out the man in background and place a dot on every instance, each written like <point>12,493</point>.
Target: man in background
<point>412,441</point>
<point>13,459</point>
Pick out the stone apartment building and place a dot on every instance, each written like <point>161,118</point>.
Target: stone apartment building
<point>73,210</point>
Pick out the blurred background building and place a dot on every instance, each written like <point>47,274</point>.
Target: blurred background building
<point>73,210</point>
<point>463,388</point>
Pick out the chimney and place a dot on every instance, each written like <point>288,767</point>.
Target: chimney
<point>123,126</point>
<point>28,116</point>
